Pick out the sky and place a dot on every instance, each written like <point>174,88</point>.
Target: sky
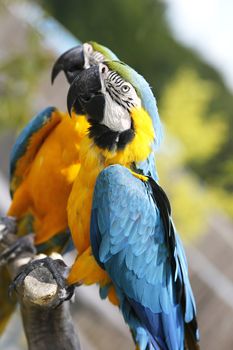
<point>207,26</point>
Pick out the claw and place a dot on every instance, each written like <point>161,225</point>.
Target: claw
<point>56,267</point>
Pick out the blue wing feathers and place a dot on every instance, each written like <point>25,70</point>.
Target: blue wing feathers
<point>129,241</point>
<point>95,241</point>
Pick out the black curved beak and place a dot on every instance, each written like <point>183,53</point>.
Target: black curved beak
<point>86,91</point>
<point>71,63</point>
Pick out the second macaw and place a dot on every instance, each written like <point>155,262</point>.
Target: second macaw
<point>44,162</point>
<point>120,218</point>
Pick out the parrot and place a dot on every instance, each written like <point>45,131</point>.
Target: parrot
<point>43,166</point>
<point>42,161</point>
<point>120,218</point>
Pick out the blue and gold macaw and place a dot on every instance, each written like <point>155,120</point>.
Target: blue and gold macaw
<point>44,162</point>
<point>120,218</point>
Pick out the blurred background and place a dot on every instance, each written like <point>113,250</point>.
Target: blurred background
<point>185,50</point>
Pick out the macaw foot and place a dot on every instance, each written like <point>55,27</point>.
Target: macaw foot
<point>7,225</point>
<point>16,248</point>
<point>56,267</point>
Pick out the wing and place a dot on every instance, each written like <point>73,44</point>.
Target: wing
<point>130,241</point>
<point>29,142</point>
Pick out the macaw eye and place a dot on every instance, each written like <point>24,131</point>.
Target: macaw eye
<point>125,88</point>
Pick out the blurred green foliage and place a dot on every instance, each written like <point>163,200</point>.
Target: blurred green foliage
<point>190,137</point>
<point>185,113</point>
<point>20,75</point>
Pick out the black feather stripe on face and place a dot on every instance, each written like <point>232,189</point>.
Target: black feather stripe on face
<point>113,84</point>
<point>115,97</point>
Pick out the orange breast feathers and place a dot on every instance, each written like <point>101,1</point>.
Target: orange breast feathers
<point>48,179</point>
<point>80,200</point>
<point>85,269</point>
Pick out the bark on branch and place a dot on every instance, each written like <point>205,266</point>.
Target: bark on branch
<point>46,325</point>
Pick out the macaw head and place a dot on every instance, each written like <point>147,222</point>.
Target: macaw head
<point>120,108</point>
<point>80,57</point>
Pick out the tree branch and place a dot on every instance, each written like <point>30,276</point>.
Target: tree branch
<point>47,326</point>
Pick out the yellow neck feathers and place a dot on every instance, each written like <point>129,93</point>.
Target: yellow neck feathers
<point>141,145</point>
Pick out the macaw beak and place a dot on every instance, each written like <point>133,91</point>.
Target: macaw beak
<point>86,90</point>
<point>71,63</point>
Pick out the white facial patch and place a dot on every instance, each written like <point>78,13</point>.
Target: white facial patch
<point>118,102</point>
<point>116,117</point>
